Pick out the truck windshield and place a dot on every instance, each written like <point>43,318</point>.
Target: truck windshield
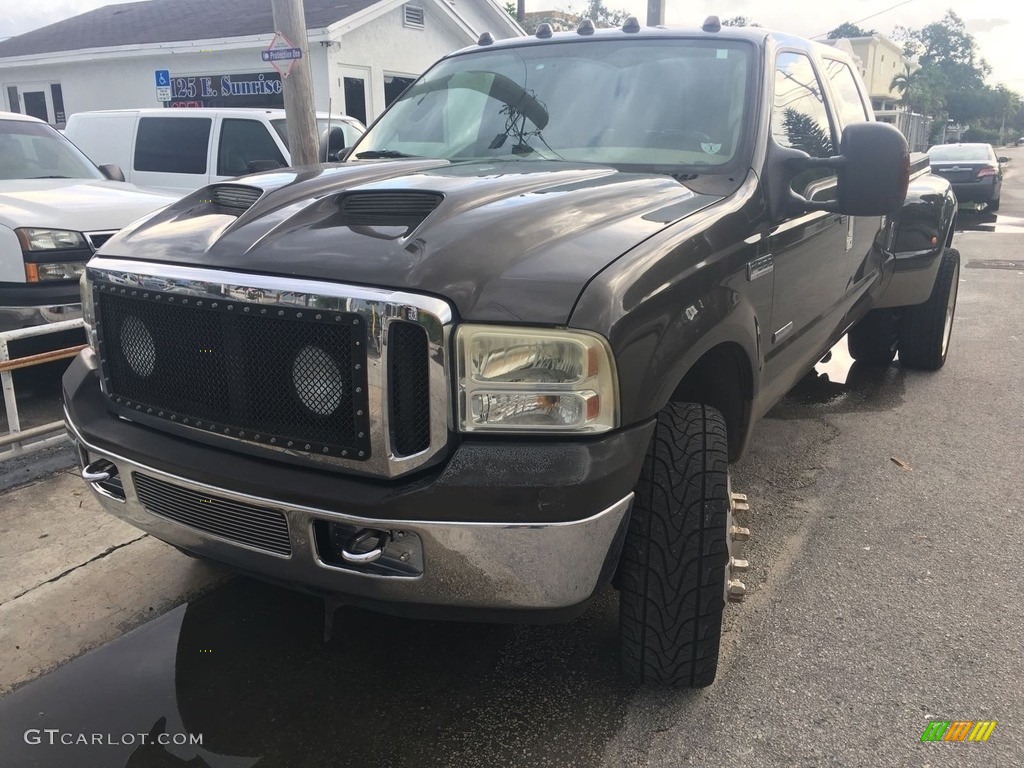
<point>616,102</point>
<point>31,150</point>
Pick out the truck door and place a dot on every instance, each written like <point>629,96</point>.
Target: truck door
<point>809,250</point>
<point>864,257</point>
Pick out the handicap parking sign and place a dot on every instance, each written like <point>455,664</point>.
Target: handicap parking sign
<point>163,78</point>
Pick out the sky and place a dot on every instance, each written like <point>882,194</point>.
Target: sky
<point>997,25</point>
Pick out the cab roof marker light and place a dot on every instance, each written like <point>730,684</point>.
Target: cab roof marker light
<point>544,31</point>
<point>712,24</point>
<point>631,25</point>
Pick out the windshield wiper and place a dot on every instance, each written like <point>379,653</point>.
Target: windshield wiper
<point>49,177</point>
<point>376,154</point>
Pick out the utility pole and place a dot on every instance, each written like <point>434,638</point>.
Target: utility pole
<point>521,11</point>
<point>655,13</point>
<point>303,141</point>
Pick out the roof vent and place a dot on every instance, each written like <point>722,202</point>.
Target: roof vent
<point>544,30</point>
<point>485,39</point>
<point>586,27</point>
<point>235,196</point>
<point>413,16</point>
<point>712,24</point>
<point>631,25</point>
<point>386,208</point>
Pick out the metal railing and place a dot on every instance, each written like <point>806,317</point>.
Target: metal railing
<point>17,437</point>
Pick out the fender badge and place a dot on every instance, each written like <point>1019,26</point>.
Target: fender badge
<point>760,267</point>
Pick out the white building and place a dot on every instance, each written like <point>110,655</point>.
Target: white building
<point>362,54</point>
<point>880,60</point>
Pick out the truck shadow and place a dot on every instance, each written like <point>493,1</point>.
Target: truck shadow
<point>246,668</point>
<point>839,384</point>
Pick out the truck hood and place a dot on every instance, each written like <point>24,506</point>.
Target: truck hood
<point>507,242</point>
<point>84,205</point>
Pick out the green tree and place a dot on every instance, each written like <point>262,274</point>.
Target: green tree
<point>602,15</point>
<point>849,29</point>
<point>740,21</point>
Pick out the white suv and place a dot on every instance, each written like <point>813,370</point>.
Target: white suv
<point>56,209</point>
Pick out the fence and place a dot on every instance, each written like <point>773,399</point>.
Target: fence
<point>17,437</point>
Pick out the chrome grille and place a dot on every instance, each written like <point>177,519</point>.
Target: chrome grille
<point>255,527</point>
<point>261,364</point>
<point>97,239</point>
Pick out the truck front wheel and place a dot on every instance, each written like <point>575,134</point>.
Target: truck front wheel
<point>927,328</point>
<point>673,571</point>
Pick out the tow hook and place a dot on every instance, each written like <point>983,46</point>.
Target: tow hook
<point>355,551</point>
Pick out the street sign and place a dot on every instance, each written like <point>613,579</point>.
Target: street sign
<point>281,54</point>
<point>163,79</point>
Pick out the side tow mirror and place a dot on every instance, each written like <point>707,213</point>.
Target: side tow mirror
<point>874,170</point>
<point>111,171</point>
<point>1003,160</point>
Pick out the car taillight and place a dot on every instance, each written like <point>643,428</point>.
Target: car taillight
<point>982,172</point>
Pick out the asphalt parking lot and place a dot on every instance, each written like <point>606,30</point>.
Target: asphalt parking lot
<point>884,592</point>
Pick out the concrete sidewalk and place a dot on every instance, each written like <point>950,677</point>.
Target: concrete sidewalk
<point>73,577</point>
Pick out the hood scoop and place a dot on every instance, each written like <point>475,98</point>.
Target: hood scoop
<point>405,209</point>
<point>237,197</point>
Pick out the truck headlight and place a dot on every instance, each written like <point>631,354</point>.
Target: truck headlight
<point>33,239</point>
<point>535,380</point>
<point>88,312</point>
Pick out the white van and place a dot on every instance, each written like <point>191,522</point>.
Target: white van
<point>185,149</point>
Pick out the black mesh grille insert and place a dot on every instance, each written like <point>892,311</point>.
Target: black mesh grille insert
<point>410,388</point>
<point>236,521</point>
<point>284,377</point>
<point>386,209</point>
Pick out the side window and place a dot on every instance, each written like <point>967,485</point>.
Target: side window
<point>243,142</point>
<point>849,103</point>
<point>172,144</point>
<point>800,121</point>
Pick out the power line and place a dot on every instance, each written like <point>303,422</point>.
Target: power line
<point>871,16</point>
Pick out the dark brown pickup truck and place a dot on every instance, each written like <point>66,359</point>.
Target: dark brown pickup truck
<point>503,355</point>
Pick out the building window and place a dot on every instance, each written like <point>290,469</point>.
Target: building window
<point>394,86</point>
<point>414,16</point>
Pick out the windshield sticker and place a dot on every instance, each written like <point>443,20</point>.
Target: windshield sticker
<point>711,149</point>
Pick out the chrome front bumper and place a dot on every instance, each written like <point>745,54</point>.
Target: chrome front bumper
<point>489,566</point>
<point>13,318</point>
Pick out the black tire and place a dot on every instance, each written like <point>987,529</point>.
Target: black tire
<point>673,567</point>
<point>875,339</point>
<point>925,334</point>
<point>993,205</point>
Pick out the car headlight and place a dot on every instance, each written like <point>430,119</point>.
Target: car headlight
<point>535,380</point>
<point>56,270</point>
<point>32,239</point>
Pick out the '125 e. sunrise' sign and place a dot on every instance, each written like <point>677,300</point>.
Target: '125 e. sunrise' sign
<point>255,89</point>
